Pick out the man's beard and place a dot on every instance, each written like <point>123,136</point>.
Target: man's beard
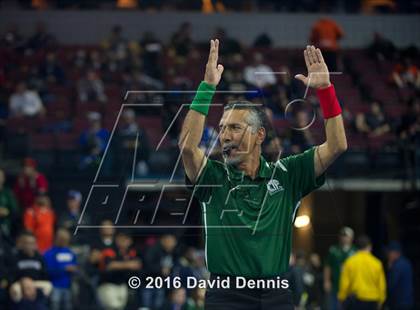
<point>227,150</point>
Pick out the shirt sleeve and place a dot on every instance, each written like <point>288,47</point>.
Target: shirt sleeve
<point>205,184</point>
<point>301,173</point>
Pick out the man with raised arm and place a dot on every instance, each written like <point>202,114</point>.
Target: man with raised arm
<point>249,204</point>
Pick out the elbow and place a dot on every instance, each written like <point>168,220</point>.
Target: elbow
<point>342,147</point>
<point>339,149</point>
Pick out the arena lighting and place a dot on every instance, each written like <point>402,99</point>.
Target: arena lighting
<point>302,221</point>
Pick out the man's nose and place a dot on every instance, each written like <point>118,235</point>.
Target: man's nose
<point>225,136</point>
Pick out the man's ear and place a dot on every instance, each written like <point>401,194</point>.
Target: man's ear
<point>261,135</point>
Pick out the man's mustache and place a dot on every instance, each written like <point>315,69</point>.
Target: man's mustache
<point>228,147</point>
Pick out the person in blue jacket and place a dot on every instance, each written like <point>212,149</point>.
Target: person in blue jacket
<point>400,279</point>
<point>61,265</point>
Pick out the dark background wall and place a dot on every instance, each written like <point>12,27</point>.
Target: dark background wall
<point>287,30</point>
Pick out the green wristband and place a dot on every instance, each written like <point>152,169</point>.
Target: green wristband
<point>202,99</point>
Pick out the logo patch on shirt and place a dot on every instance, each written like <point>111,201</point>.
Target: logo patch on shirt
<point>273,186</point>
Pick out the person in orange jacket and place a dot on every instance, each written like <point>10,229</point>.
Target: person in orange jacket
<point>40,220</point>
<point>325,34</point>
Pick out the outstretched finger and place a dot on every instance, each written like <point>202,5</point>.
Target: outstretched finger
<point>305,55</point>
<point>319,55</point>
<point>212,52</point>
<point>311,54</point>
<point>216,43</point>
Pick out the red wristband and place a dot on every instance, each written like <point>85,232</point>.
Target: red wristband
<point>328,101</point>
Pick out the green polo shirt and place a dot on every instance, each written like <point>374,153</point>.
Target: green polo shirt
<point>336,257</point>
<point>248,223</point>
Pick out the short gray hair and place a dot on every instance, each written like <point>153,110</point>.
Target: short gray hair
<point>256,117</point>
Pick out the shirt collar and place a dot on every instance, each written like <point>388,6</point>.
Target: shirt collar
<point>264,170</point>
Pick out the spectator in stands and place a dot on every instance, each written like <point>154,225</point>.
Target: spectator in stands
<point>409,124</point>
<point>230,46</point>
<point>25,102</point>
<point>32,295</point>
<point>116,44</point>
<point>70,217</point>
<point>29,183</point>
<point>279,100</point>
<point>273,144</point>
<point>8,208</point>
<point>177,300</point>
<point>313,280</point>
<point>234,81</point>
<point>61,265</point>
<point>127,134</point>
<point>295,276</point>
<point>152,51</point>
<point>301,138</point>
<point>400,279</point>
<point>381,48</point>
<point>25,262</point>
<point>306,280</point>
<point>188,266</point>
<point>40,39</point>
<point>406,74</point>
<point>104,241</point>
<point>40,220</point>
<point>117,265</point>
<point>337,254</point>
<point>80,60</point>
<point>374,123</point>
<point>181,43</point>
<point>325,35</point>
<point>362,279</point>
<point>259,74</point>
<point>159,260</point>
<point>408,131</point>
<point>196,301</point>
<point>91,88</point>
<point>263,40</point>
<point>12,38</point>
<point>50,70</point>
<point>292,88</point>
<point>95,60</point>
<point>93,140</point>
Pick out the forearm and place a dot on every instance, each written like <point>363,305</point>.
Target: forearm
<point>193,126</point>
<point>336,142</point>
<point>192,131</point>
<point>336,136</point>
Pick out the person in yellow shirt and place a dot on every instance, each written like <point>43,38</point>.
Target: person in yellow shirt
<point>362,281</point>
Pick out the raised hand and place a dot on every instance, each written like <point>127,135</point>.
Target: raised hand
<point>213,70</point>
<point>318,75</point>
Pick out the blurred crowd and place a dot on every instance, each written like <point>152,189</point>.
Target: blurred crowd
<point>90,81</point>
<point>222,6</point>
